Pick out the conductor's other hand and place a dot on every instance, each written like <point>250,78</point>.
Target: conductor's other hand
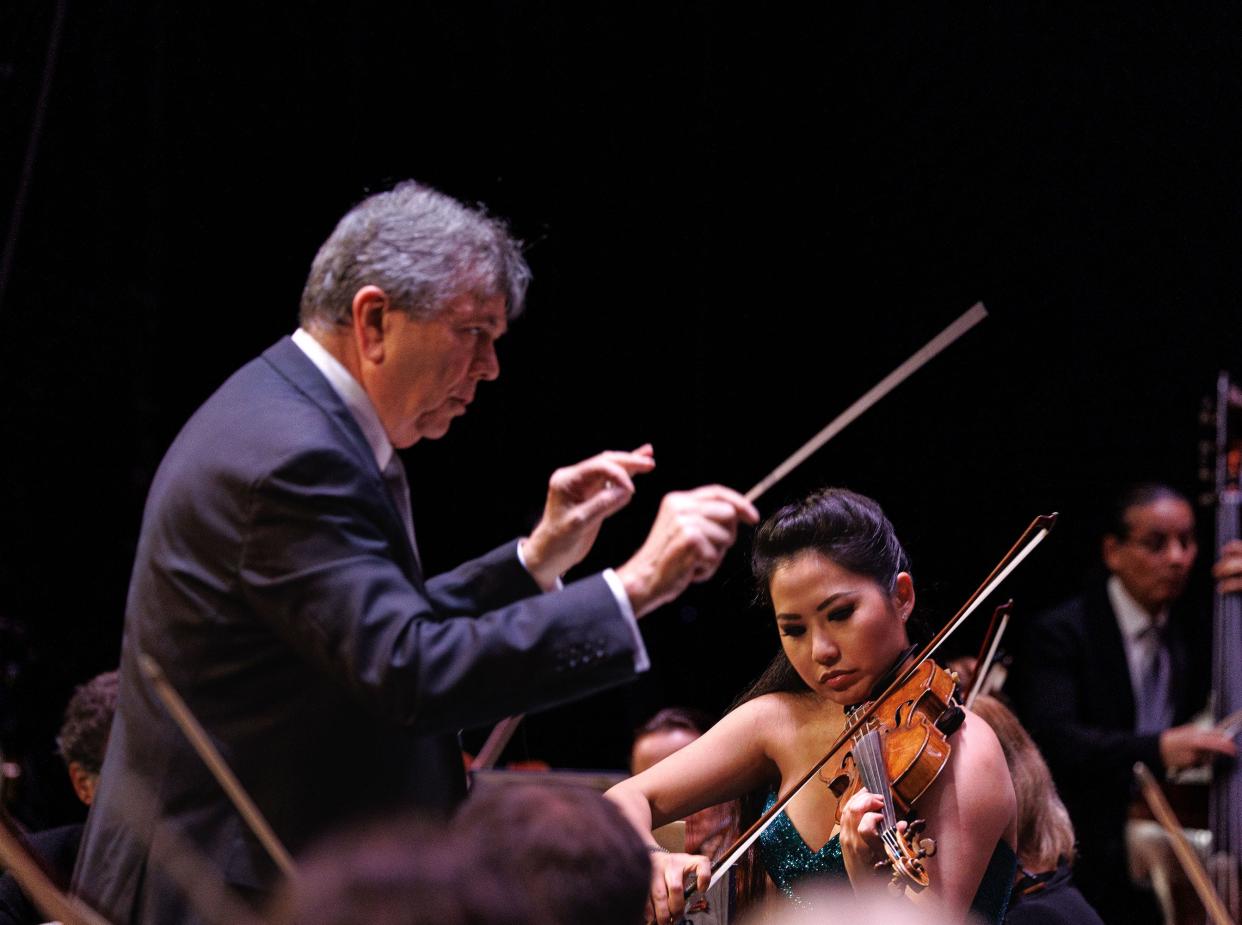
<point>688,540</point>
<point>580,497</point>
<point>1228,568</point>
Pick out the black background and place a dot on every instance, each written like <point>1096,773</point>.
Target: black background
<point>738,222</point>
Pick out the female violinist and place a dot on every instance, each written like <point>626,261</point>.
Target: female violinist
<point>839,583</point>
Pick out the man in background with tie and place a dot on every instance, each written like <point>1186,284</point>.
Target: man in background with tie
<point>278,583</point>
<point>1111,678</point>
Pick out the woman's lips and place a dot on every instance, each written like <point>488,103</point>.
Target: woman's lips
<point>840,680</point>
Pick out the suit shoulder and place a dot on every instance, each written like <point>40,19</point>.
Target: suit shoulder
<point>259,422</point>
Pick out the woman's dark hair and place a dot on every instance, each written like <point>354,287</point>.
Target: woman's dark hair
<point>852,531</point>
<point>848,528</point>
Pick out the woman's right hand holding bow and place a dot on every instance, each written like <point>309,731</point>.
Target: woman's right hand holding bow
<point>670,872</point>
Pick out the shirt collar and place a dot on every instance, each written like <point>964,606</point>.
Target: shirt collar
<point>351,393</point>
<point>1132,618</point>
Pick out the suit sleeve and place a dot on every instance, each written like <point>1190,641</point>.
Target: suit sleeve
<point>482,584</point>
<point>318,564</point>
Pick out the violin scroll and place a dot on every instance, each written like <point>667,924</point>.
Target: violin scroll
<point>905,856</point>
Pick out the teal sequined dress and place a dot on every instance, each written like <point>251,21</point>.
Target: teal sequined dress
<point>790,862</point>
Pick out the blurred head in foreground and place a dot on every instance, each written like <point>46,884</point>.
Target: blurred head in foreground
<point>402,872</point>
<point>572,851</point>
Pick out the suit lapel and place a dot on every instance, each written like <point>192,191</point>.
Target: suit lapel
<point>1109,654</point>
<point>294,365</point>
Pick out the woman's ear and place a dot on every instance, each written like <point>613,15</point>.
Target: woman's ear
<point>903,595</point>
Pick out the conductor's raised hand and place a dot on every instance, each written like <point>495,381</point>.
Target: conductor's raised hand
<point>692,532</point>
<point>580,497</point>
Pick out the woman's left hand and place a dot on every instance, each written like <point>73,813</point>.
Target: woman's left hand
<point>861,845</point>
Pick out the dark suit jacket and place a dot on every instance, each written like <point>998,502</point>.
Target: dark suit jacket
<point>275,584</point>
<point>1070,685</point>
<point>57,849</point>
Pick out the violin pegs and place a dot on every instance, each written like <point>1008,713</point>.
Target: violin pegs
<point>915,827</point>
<point>927,847</point>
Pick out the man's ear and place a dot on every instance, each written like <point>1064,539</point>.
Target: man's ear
<point>83,782</point>
<point>1109,548</point>
<point>368,318</point>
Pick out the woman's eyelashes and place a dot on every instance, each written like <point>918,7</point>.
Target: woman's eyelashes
<point>836,615</point>
<point>840,613</point>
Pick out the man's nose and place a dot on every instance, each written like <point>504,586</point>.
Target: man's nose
<point>486,365</point>
<point>1181,551</point>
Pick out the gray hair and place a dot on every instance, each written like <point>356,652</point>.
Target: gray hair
<point>421,247</point>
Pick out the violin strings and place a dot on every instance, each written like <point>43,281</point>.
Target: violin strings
<point>875,776</point>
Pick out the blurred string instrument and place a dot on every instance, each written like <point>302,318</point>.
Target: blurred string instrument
<point>1222,462</point>
<point>1182,849</point>
<point>988,676</point>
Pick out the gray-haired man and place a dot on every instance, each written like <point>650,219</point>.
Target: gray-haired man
<point>278,583</point>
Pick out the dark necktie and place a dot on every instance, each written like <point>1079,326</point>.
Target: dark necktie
<point>394,478</point>
<point>1155,707</point>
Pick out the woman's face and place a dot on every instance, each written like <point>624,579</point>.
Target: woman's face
<point>841,631</point>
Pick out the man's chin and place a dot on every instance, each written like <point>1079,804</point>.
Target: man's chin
<point>434,425</point>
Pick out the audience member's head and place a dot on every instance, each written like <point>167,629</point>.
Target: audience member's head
<point>572,851</point>
<point>404,871</point>
<point>1150,543</point>
<point>1045,833</point>
<point>666,732</point>
<point>839,903</point>
<point>83,737</point>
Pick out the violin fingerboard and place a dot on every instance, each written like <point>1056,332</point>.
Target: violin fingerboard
<point>869,753</point>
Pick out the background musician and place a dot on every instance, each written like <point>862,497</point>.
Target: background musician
<point>1044,892</point>
<point>1112,677</point>
<point>82,741</point>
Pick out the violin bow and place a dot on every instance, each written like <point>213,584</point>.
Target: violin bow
<point>16,858</point>
<point>968,319</point>
<point>987,651</point>
<point>503,731</point>
<point>1034,534</point>
<point>1186,856</point>
<point>497,739</point>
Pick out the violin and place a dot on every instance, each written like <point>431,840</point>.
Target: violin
<point>897,752</point>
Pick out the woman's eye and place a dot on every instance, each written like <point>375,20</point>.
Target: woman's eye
<point>841,613</point>
<point>792,630</point>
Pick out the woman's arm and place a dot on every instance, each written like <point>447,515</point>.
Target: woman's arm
<point>730,759</point>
